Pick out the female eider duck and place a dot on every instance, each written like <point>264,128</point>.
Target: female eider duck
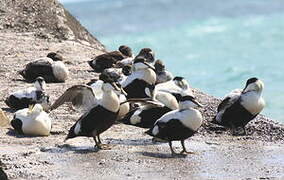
<point>51,68</point>
<point>241,106</point>
<point>109,59</point>
<point>32,95</point>
<point>101,116</point>
<point>141,82</point>
<point>178,125</point>
<point>146,115</point>
<point>178,87</point>
<point>148,54</point>
<point>162,74</point>
<point>32,121</point>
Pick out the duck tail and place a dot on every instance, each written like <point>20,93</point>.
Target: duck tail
<point>22,73</point>
<point>214,121</point>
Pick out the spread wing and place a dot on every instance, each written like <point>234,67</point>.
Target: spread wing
<point>81,96</point>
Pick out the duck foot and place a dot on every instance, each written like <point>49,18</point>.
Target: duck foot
<point>104,146</point>
<point>158,140</point>
<point>188,152</point>
<point>239,131</point>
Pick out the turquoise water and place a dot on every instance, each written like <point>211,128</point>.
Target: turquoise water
<point>217,45</point>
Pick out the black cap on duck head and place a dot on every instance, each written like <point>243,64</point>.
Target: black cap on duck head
<point>148,54</point>
<point>192,99</point>
<point>55,56</point>
<point>159,65</point>
<point>126,70</point>
<point>139,59</point>
<point>108,76</point>
<point>178,78</point>
<point>251,80</point>
<point>125,50</point>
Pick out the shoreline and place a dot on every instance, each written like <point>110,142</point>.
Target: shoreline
<point>258,155</point>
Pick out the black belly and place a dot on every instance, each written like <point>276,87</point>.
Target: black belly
<point>236,116</point>
<point>148,116</point>
<point>18,103</point>
<point>174,130</point>
<point>34,70</point>
<point>98,119</point>
<point>136,89</point>
<point>17,124</point>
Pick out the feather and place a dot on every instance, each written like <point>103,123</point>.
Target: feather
<point>81,96</point>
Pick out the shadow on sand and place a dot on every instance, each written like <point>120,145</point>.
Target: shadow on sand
<point>132,142</point>
<point>162,155</point>
<point>67,148</point>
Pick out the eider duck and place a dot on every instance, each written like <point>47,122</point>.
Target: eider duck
<point>51,68</point>
<point>141,82</point>
<point>146,115</point>
<point>148,54</point>
<point>241,106</point>
<point>109,59</point>
<point>101,116</point>
<point>86,96</point>
<point>162,74</point>
<point>32,121</point>
<point>178,125</point>
<point>178,87</point>
<point>32,95</point>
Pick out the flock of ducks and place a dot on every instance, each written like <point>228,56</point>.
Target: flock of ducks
<point>133,90</point>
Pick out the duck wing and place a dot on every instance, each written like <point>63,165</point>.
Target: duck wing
<point>229,99</point>
<point>81,96</point>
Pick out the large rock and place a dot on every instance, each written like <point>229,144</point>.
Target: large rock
<point>47,18</point>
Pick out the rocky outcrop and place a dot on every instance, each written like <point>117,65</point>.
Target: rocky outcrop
<point>47,18</point>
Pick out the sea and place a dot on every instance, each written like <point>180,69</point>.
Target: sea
<point>216,45</point>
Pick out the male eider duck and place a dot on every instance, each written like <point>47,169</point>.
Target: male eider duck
<point>32,95</point>
<point>32,121</point>
<point>109,59</point>
<point>86,96</point>
<point>101,116</point>
<point>178,125</point>
<point>148,54</point>
<point>51,68</point>
<point>241,106</point>
<point>162,74</point>
<point>146,115</point>
<point>178,87</point>
<point>141,82</point>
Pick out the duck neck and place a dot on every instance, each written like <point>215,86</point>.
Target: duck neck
<point>110,101</point>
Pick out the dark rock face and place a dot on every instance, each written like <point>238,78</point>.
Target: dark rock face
<point>47,18</point>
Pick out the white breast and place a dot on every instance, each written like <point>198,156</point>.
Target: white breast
<point>110,101</point>
<point>190,118</point>
<point>39,125</point>
<point>253,102</point>
<point>60,71</point>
